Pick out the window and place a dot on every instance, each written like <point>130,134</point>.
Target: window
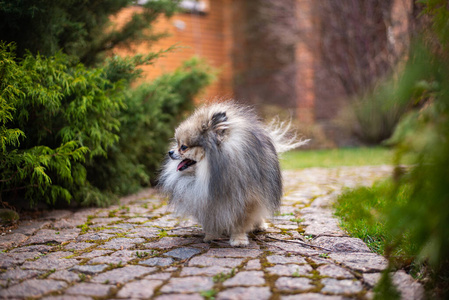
<point>194,6</point>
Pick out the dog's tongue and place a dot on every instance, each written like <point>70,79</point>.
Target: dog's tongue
<point>182,164</point>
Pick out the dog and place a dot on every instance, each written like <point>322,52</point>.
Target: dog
<point>223,169</point>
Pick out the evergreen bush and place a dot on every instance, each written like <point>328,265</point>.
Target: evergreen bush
<point>69,132</point>
<point>408,217</point>
<point>415,217</point>
<point>424,218</point>
<point>153,110</point>
<point>375,115</point>
<point>55,115</point>
<point>78,27</point>
<point>72,127</point>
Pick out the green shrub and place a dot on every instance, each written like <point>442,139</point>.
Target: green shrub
<point>425,133</point>
<point>55,115</point>
<point>153,111</point>
<point>68,132</point>
<point>417,221</point>
<point>78,27</point>
<point>377,115</point>
<point>78,131</point>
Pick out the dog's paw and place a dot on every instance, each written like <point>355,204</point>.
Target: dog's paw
<point>209,238</point>
<point>239,240</point>
<point>260,227</point>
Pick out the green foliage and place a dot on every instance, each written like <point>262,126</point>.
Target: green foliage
<point>221,277</point>
<point>69,131</point>
<point>385,289</point>
<point>417,214</point>
<point>8,217</point>
<point>80,28</point>
<point>363,214</point>
<point>297,220</point>
<point>376,115</point>
<point>162,233</point>
<point>54,116</point>
<point>153,110</point>
<point>209,294</point>
<point>425,133</point>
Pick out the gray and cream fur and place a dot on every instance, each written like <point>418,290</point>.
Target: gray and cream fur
<point>224,170</point>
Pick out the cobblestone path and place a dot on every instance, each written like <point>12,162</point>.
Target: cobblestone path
<point>139,250</point>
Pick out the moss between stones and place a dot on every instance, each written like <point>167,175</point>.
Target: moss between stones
<point>300,229</point>
<point>284,231</point>
<point>270,279</point>
<point>209,294</point>
<point>83,261</point>
<point>221,277</point>
<point>313,264</point>
<point>46,274</point>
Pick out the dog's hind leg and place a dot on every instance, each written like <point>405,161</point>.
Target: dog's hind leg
<point>260,226</point>
<point>253,221</point>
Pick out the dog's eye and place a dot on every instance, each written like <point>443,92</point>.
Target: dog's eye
<point>183,147</point>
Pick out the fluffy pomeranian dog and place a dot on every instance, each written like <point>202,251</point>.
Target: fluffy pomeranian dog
<point>223,170</point>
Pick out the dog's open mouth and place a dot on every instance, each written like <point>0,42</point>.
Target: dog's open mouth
<point>185,164</point>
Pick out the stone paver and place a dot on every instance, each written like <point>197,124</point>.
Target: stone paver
<point>183,253</point>
<point>290,270</point>
<point>12,240</point>
<point>241,293</point>
<point>89,289</point>
<point>140,250</point>
<point>334,271</point>
<point>293,284</point>
<point>32,288</point>
<point>122,275</point>
<point>139,289</point>
<point>246,278</point>
<point>158,261</point>
<point>188,284</point>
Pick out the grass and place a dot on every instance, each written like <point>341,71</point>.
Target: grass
<point>330,158</point>
<point>364,214</point>
<point>370,213</point>
<point>361,210</point>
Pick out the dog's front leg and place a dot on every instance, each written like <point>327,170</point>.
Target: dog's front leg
<point>239,239</point>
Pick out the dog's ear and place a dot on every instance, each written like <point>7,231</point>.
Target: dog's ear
<point>219,125</point>
<point>218,120</point>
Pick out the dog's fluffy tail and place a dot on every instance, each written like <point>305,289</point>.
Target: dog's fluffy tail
<point>283,138</point>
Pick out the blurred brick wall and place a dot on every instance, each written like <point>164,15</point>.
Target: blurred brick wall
<point>252,44</point>
<point>264,52</point>
<point>205,35</point>
<point>305,59</point>
<point>267,53</point>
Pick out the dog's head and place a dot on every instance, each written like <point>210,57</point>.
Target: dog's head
<point>198,135</point>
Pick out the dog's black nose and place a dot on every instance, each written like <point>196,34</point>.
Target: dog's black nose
<point>170,153</point>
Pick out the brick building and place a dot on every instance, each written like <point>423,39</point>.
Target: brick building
<point>203,30</point>
<point>256,46</point>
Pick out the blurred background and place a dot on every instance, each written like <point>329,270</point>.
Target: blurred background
<point>91,91</point>
<point>305,59</point>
